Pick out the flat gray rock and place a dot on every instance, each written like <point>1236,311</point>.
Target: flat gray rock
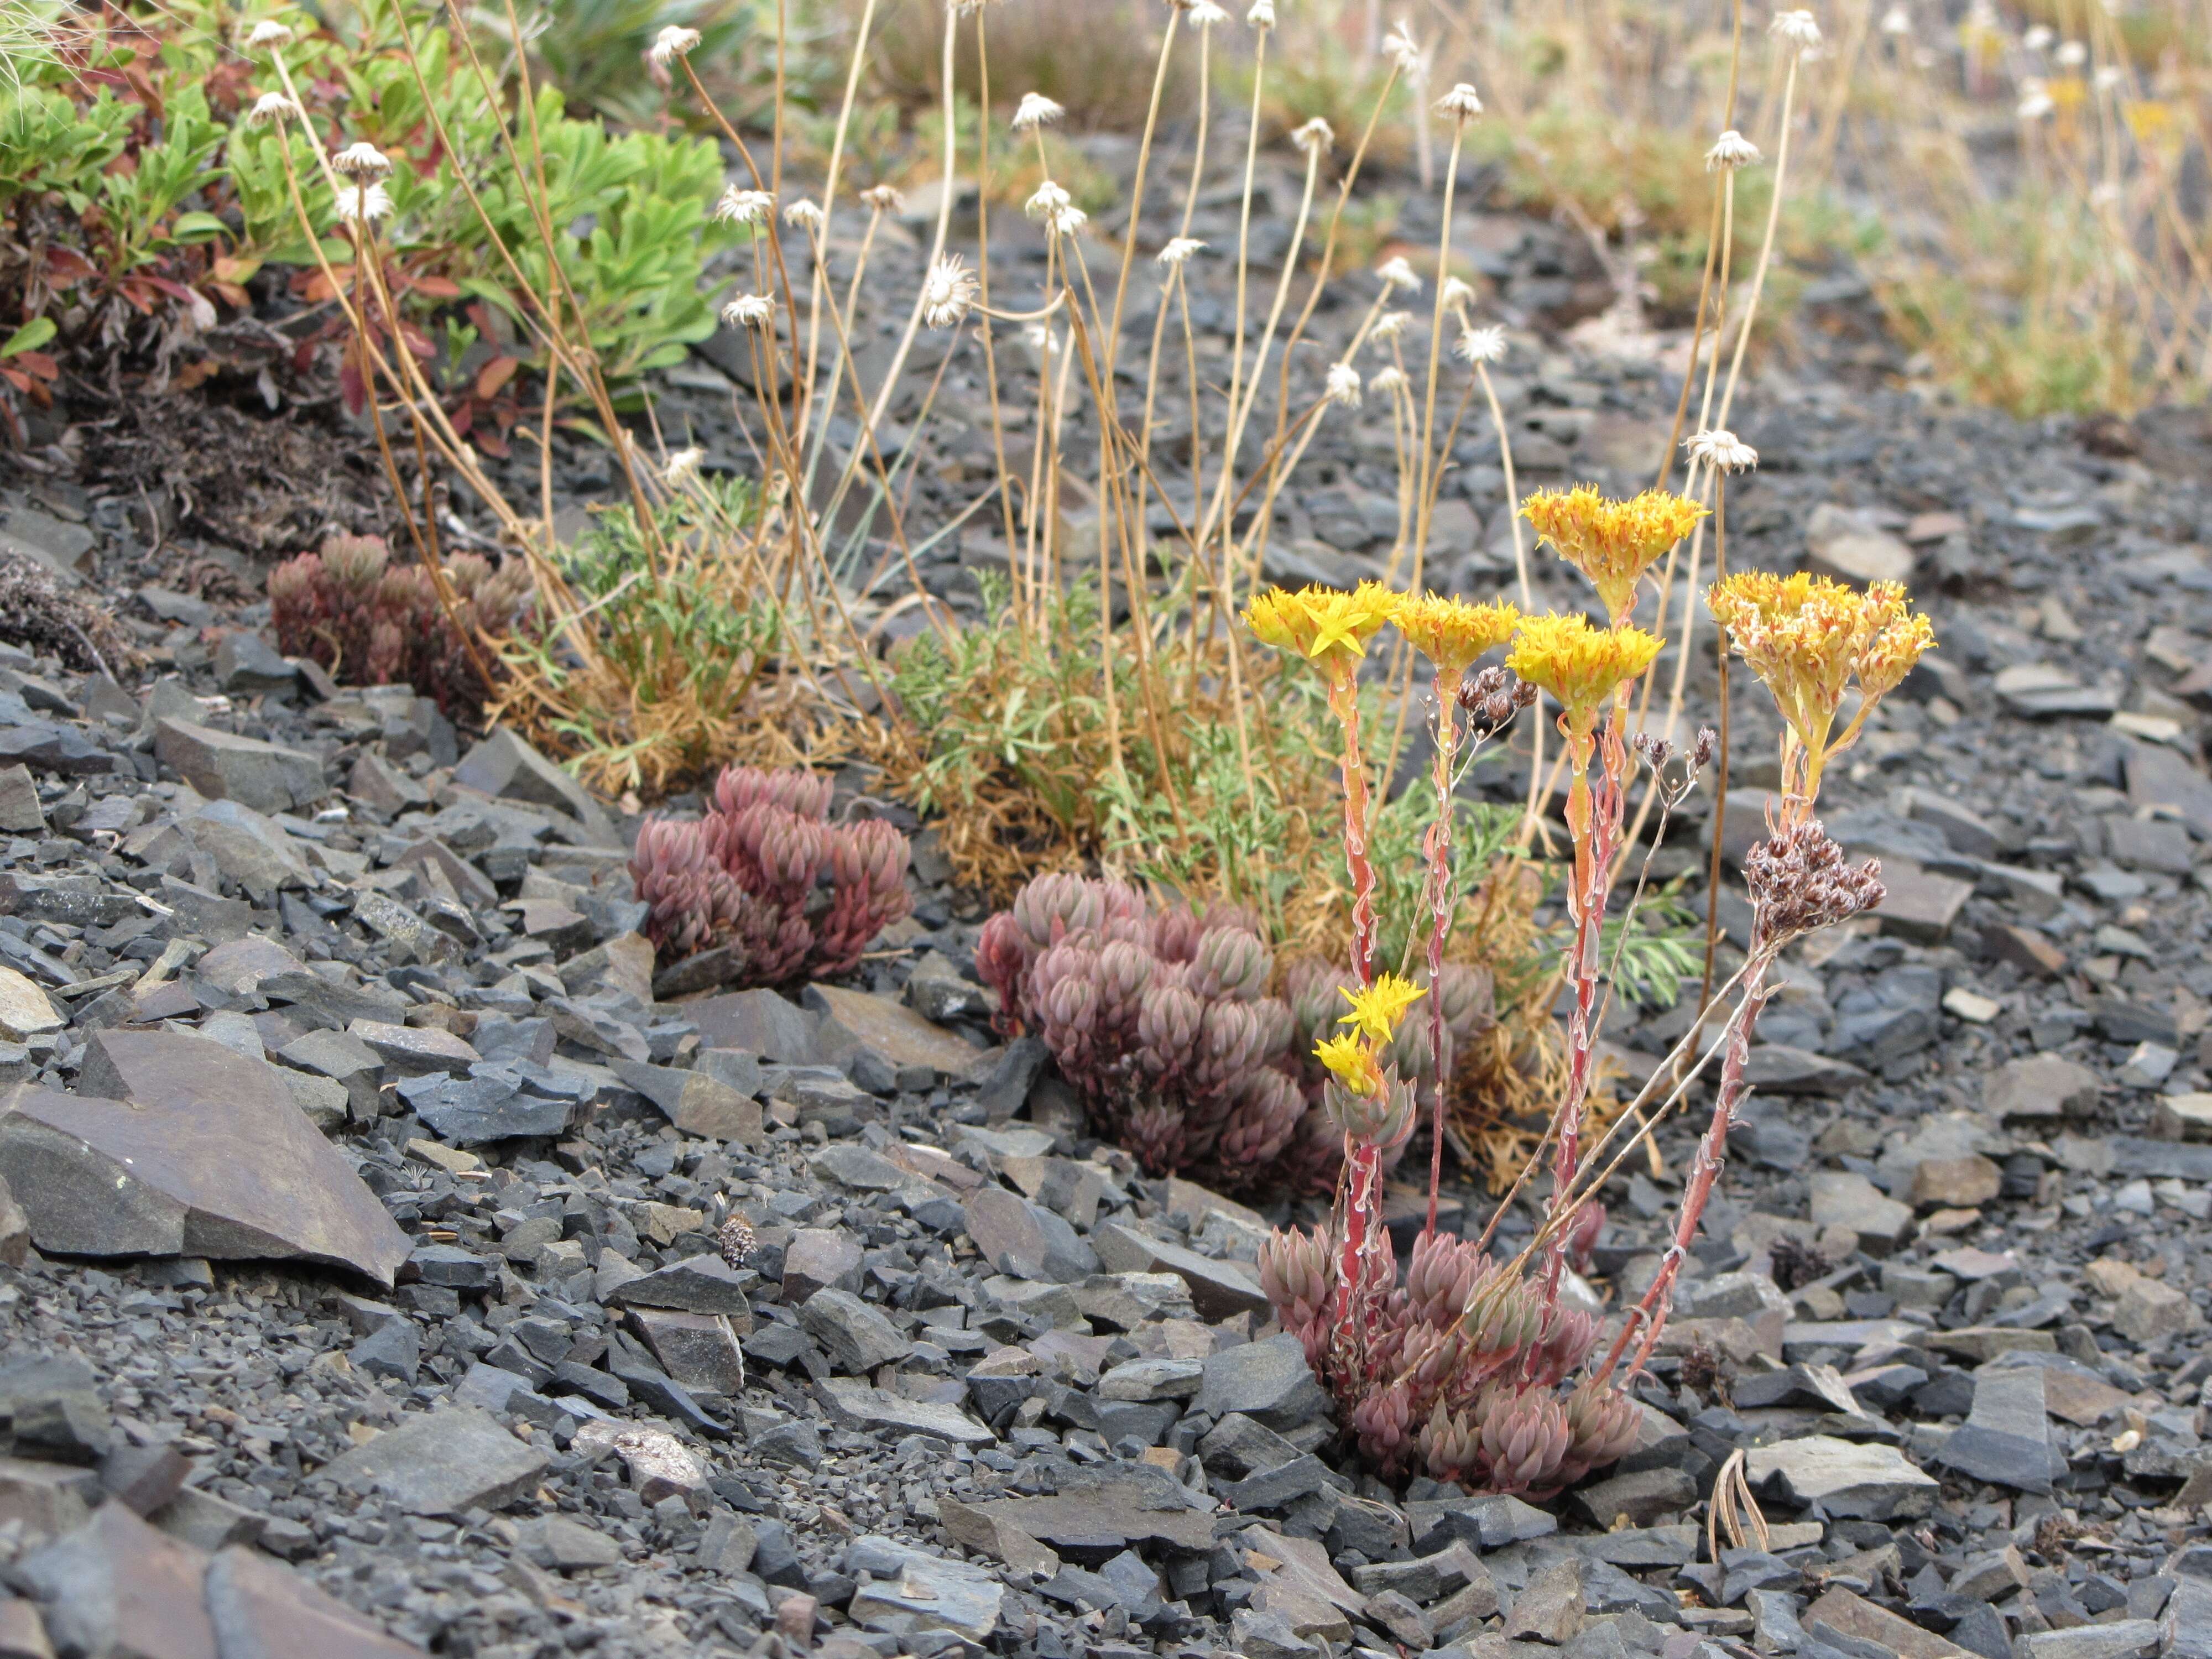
<point>1268,1382</point>
<point>1846,1479</point>
<point>443,1463</point>
<point>2006,1438</point>
<point>181,1147</point>
<point>265,776</point>
<point>853,1403</point>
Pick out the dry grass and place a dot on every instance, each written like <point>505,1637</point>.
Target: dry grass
<point>1094,57</point>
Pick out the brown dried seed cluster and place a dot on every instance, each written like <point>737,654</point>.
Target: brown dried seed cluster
<point>1800,882</point>
<point>737,1241</point>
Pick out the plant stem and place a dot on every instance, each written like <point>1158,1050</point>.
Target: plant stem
<point>1441,905</point>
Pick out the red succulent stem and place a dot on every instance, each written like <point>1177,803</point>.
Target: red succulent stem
<point>1650,1313</point>
<point>1439,844</point>
<point>1344,703</point>
<point>1593,823</point>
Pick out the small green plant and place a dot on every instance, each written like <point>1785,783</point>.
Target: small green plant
<point>141,176</point>
<point>657,640</point>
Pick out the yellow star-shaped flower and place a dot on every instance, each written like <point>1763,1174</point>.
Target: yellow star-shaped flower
<point>1351,1063</point>
<point>1326,626</point>
<point>1453,633</point>
<point>1378,1008</point>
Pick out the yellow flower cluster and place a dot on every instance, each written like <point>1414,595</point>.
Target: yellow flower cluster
<point>1377,1012</point>
<point>1326,626</point>
<point>1452,633</point>
<point>1581,666</point>
<point>1808,638</point>
<point>1611,543</point>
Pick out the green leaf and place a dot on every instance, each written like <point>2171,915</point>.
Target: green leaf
<point>29,338</point>
<point>197,227</point>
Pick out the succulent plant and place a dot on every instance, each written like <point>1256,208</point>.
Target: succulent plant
<point>371,622</point>
<point>1457,1371</point>
<point>1158,1017</point>
<point>767,872</point>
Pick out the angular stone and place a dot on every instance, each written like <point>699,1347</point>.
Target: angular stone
<point>504,766</point>
<point>23,1633</point>
<point>2006,1438</point>
<point>760,1022</point>
<point>908,1592</point>
<point>1549,1609</point>
<point>1853,1616</point>
<point>48,1498</point>
<point>1151,1379</point>
<point>562,1544</point>
<point>2038,1090</point>
<point>699,1350</point>
<point>446,1462</point>
<point>1919,904</point>
<point>855,1020</point>
<point>2149,1310</point>
<point>1218,1290</point>
<point>1844,544</point>
<point>1956,1183</point>
<point>265,776</point>
<point>1846,1479</point>
<point>852,1402</point>
<point>1641,1496</point>
<point>2183,1117</point>
<point>1268,1381</point>
<point>210,1157</point>
<point>661,1466</point>
<point>15,1230</point>
<point>118,1588</point>
<point>261,1610</point>
<point>1842,1198</point>
<point>25,1009</point>
<point>696,1284</point>
<point>1772,1068</point>
<point>2128,1639</point>
<point>411,1050</point>
<point>1026,1240</point>
<point>2037,691</point>
<point>247,848</point>
<point>857,1335</point>
<point>817,1258</point>
<point>19,812</point>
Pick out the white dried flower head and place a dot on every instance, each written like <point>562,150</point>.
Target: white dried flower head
<point>1041,340</point>
<point>363,203</point>
<point>2038,37</point>
<point>1485,344</point>
<point>1176,254</point>
<point>750,311</point>
<point>1402,50</point>
<point>1457,292</point>
<point>270,33</point>
<point>1205,15</point>
<point>1721,451</point>
<point>1897,20</point>
<point>1049,199</point>
<point>1398,273</point>
<point>1461,103</point>
<point>1386,382</point>
<point>1797,28</point>
<point>806,216</point>
<point>746,208</point>
<point>2071,54</point>
<point>883,198</point>
<point>1263,14</point>
<point>671,44</point>
<point>2109,77</point>
<point>2035,101</point>
<point>682,467</point>
<point>1731,150</point>
<point>1034,110</point>
<point>1343,384</point>
<point>2107,195</point>
<point>1315,137</point>
<point>362,160</point>
<point>948,293</point>
<point>273,106</point>
<point>1390,325</point>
